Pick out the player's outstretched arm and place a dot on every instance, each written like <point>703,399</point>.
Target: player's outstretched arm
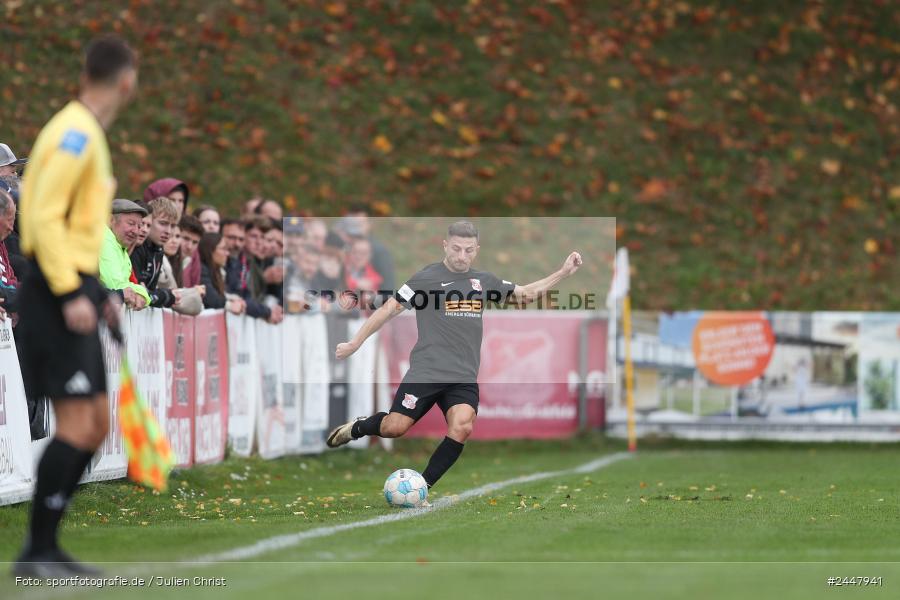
<point>528,293</point>
<point>376,320</point>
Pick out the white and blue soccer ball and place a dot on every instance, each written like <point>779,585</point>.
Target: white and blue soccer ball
<point>405,488</point>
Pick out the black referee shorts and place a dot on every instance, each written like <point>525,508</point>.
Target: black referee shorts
<point>56,362</point>
<point>414,399</point>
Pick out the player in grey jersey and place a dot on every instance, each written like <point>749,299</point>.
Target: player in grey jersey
<point>449,298</point>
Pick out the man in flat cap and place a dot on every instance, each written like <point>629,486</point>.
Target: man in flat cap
<point>116,273</point>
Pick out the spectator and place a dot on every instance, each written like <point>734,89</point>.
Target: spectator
<point>293,233</point>
<point>148,257</point>
<point>170,274</point>
<point>361,275</point>
<point>174,189</point>
<point>115,266</point>
<point>382,261</point>
<point>257,254</point>
<point>300,290</point>
<point>9,164</point>
<point>315,231</point>
<point>248,211</point>
<point>274,271</point>
<point>331,263</point>
<point>237,273</point>
<point>213,256</point>
<point>274,239</point>
<point>191,232</point>
<point>269,208</point>
<point>10,184</point>
<point>190,301</point>
<point>146,223</point>
<point>208,217</point>
<point>8,283</point>
<point>20,264</point>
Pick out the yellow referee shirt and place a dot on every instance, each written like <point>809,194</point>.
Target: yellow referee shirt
<point>66,198</point>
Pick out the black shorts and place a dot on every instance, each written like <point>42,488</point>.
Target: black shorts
<point>414,399</point>
<point>56,362</point>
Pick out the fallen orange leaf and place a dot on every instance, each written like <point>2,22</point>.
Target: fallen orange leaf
<point>468,135</point>
<point>383,144</point>
<point>831,166</point>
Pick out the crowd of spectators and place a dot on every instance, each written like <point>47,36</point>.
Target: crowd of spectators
<point>159,251</point>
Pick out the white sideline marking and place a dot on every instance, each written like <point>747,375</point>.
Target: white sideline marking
<point>289,540</point>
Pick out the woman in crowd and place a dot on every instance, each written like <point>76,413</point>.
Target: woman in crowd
<point>209,218</point>
<point>213,256</point>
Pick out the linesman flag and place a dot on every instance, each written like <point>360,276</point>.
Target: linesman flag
<point>150,458</point>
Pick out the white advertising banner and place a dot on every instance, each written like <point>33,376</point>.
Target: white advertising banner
<point>16,468</point>
<point>110,460</point>
<point>291,377</point>
<point>316,374</point>
<point>147,358</point>
<point>361,378</point>
<point>245,383</point>
<point>270,427</point>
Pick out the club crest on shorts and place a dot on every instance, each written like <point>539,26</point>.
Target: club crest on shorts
<point>409,401</point>
<point>476,284</point>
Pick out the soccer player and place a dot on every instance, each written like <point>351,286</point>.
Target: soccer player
<point>449,298</point>
<point>66,201</point>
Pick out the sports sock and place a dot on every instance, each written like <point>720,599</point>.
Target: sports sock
<point>84,459</point>
<point>54,477</point>
<point>443,458</point>
<point>370,426</point>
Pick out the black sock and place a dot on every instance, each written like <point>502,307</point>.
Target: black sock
<point>84,459</point>
<point>51,495</point>
<point>370,426</point>
<point>443,458</point>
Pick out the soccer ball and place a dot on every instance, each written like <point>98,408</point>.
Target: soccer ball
<point>405,488</point>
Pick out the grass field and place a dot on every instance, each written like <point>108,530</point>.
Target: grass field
<point>674,520</point>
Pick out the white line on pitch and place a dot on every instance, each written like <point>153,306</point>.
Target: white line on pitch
<point>279,542</point>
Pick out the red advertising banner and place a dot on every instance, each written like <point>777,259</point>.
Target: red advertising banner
<point>211,405</point>
<point>179,339</point>
<point>528,381</point>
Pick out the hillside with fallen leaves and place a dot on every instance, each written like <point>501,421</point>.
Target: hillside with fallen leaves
<point>750,150</point>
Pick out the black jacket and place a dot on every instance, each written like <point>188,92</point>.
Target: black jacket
<point>213,298</point>
<point>237,281</point>
<point>147,260</point>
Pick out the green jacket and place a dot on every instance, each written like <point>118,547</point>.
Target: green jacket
<point>115,266</point>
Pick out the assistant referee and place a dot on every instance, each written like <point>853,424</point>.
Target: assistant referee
<point>67,193</point>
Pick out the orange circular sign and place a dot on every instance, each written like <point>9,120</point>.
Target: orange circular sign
<point>733,348</point>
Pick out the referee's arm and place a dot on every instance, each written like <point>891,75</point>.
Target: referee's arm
<point>376,320</point>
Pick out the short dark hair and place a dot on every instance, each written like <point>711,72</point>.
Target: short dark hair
<point>357,207</point>
<point>191,224</point>
<point>465,229</point>
<point>228,222</point>
<point>143,205</point>
<point>106,57</point>
<point>203,208</point>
